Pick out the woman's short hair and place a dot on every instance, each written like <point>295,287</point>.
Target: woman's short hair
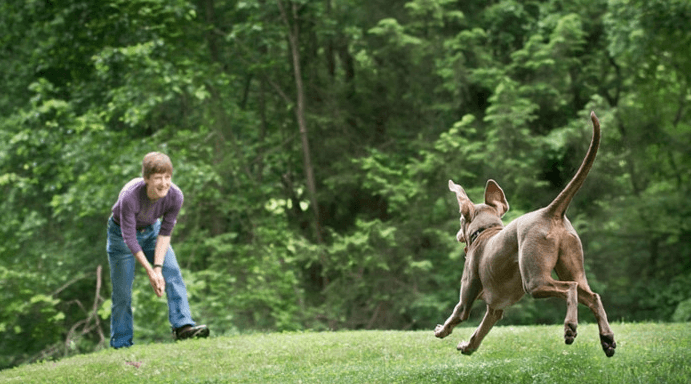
<point>156,162</point>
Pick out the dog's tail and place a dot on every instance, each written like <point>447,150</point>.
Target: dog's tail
<point>559,205</point>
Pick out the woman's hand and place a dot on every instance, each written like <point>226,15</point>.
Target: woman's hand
<point>157,282</point>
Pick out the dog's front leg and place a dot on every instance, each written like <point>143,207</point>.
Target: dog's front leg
<point>441,331</point>
<point>491,318</point>
<point>471,287</point>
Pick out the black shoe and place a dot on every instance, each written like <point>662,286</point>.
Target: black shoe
<point>189,332</point>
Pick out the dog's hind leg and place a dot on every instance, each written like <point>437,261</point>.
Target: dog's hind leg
<point>537,260</point>
<point>592,301</point>
<point>570,267</point>
<point>566,290</point>
<point>491,318</point>
<point>606,335</point>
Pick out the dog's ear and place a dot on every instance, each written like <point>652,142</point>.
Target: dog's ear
<point>465,206</point>
<point>494,197</point>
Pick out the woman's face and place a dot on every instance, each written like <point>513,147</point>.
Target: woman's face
<point>158,185</point>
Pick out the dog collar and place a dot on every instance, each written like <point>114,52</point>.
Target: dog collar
<point>477,233</point>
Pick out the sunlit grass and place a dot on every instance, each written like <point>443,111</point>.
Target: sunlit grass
<point>646,353</point>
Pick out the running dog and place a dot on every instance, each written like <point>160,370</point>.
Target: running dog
<point>503,263</point>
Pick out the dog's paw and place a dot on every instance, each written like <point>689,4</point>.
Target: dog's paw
<point>464,347</point>
<point>608,344</point>
<point>570,333</point>
<point>441,332</point>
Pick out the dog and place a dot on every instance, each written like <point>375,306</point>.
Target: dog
<point>503,263</point>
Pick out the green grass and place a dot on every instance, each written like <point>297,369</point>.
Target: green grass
<point>646,353</point>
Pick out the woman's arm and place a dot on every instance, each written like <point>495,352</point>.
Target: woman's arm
<point>155,274</point>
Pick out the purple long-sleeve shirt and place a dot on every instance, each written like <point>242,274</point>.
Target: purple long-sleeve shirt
<point>134,210</point>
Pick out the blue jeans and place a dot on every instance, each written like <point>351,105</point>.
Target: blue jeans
<point>122,264</point>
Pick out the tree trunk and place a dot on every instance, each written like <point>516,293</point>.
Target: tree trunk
<point>330,59</point>
<point>294,38</point>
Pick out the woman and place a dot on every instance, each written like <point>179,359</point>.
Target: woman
<point>139,229</point>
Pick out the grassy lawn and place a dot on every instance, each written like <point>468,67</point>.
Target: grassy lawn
<point>646,353</point>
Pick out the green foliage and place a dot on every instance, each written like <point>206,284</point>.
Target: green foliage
<point>683,312</point>
<point>29,319</point>
<point>398,99</point>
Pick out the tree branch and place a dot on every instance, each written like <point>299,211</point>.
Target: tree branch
<point>92,317</point>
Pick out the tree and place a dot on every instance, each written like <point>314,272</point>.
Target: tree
<point>314,142</point>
